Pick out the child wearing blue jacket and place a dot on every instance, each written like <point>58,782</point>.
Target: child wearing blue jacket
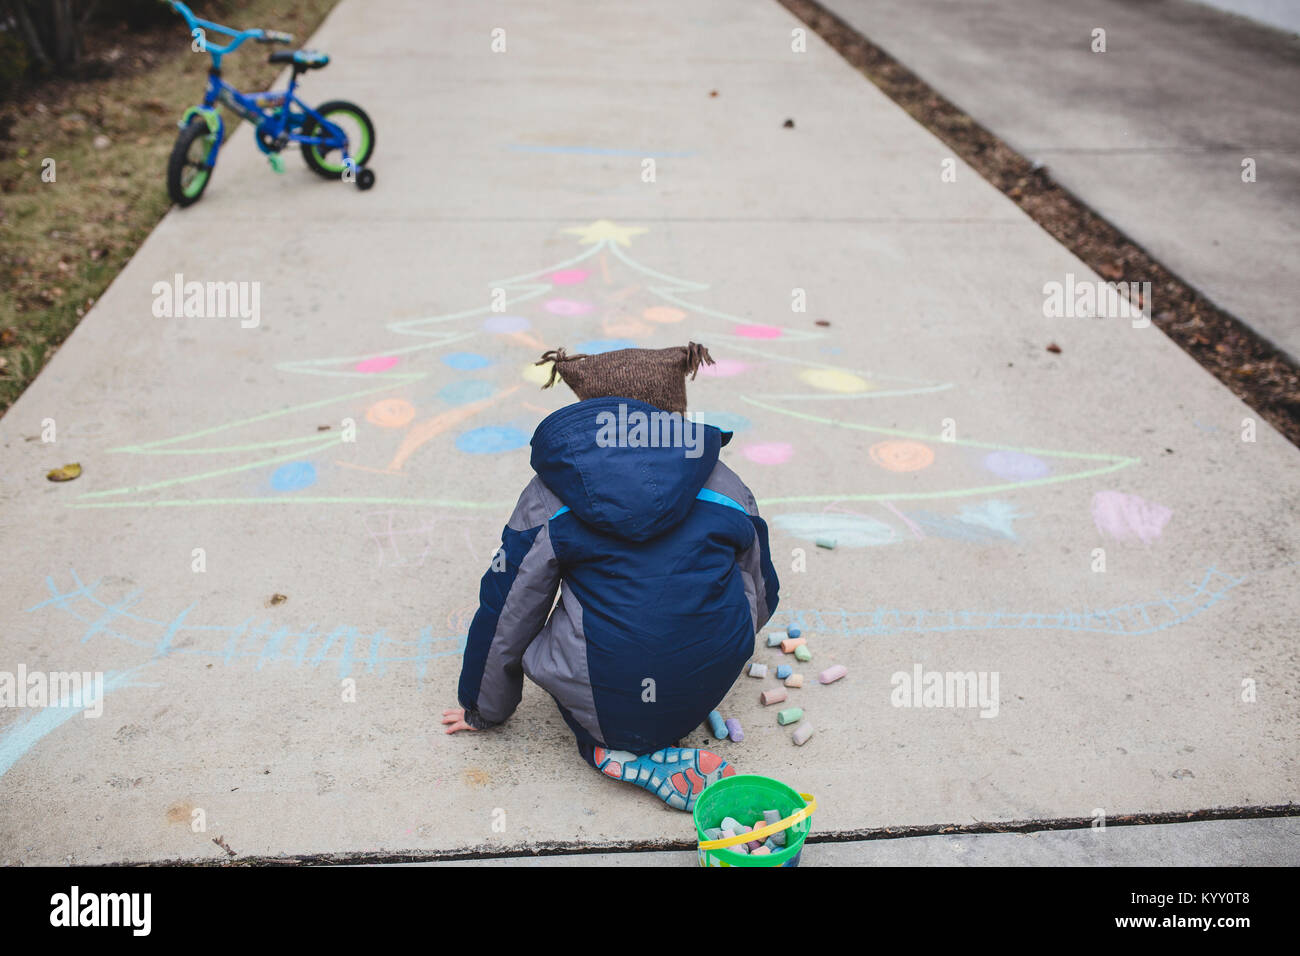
<point>662,566</point>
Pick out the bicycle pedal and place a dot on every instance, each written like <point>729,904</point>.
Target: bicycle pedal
<point>277,163</point>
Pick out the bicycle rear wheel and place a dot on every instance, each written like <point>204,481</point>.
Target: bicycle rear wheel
<point>356,126</point>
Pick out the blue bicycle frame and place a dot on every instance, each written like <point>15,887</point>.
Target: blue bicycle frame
<point>273,113</point>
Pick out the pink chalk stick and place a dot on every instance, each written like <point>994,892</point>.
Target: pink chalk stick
<point>832,674</point>
<point>790,643</point>
<point>773,695</point>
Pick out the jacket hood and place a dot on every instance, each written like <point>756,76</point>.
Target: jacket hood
<point>625,467</point>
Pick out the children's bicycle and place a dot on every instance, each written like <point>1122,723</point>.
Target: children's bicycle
<point>336,139</point>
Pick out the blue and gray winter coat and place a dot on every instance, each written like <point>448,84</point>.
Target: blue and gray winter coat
<point>664,576</point>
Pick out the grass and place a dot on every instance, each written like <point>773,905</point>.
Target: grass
<point>63,242</point>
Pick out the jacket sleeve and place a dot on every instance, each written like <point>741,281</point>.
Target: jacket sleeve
<point>759,572</point>
<point>515,598</point>
<point>755,561</point>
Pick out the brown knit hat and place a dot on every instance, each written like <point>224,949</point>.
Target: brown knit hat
<point>654,376</point>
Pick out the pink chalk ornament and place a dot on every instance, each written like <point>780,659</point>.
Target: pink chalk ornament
<point>722,368</point>
<point>380,363</point>
<point>768,453</point>
<point>832,674</point>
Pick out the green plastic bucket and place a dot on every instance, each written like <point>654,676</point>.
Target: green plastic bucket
<point>745,797</point>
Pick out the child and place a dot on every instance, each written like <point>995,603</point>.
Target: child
<point>662,565</point>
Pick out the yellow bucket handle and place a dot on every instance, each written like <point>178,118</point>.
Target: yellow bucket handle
<point>763,832</point>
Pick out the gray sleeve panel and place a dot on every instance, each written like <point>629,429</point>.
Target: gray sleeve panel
<point>726,482</point>
<point>535,506</point>
<point>524,614</point>
<point>557,662</point>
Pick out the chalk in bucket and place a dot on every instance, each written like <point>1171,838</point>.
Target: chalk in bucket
<point>745,797</point>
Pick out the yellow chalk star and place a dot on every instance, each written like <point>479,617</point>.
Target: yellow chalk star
<point>602,230</point>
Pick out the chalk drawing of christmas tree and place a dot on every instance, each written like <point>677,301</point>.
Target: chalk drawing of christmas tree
<point>464,384</point>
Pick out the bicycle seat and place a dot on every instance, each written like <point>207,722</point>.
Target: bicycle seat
<point>301,59</point>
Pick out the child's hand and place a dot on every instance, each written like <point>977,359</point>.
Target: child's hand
<point>456,718</point>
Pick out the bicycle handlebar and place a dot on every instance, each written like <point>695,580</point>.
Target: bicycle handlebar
<point>236,36</point>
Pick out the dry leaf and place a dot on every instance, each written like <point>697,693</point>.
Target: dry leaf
<point>66,473</point>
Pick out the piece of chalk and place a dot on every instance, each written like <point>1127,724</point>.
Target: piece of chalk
<point>730,823</point>
<point>794,680</point>
<point>802,653</point>
<point>792,643</point>
<point>774,638</point>
<point>761,850</point>
<point>793,631</point>
<point>802,733</point>
<point>789,715</point>
<point>755,846</point>
<point>774,816</point>
<point>717,725</point>
<point>773,695</point>
<point>772,845</point>
<point>832,673</point>
<point>757,670</point>
<point>739,847</point>
<point>743,830</point>
<point>734,730</point>
<point>713,833</point>
<point>783,671</point>
<point>825,542</point>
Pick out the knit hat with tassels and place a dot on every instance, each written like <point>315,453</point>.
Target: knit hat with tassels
<point>654,376</point>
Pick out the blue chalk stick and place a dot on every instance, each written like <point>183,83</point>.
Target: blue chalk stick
<point>793,631</point>
<point>783,671</point>
<point>717,725</point>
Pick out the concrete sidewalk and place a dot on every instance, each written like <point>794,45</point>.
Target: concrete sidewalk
<point>1152,133</point>
<point>280,611</point>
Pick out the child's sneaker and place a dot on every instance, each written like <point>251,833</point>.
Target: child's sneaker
<point>674,775</point>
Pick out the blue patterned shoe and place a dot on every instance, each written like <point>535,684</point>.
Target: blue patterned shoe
<point>675,775</point>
